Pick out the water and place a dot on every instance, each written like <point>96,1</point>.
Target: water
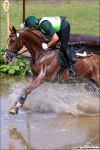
<point>54,116</point>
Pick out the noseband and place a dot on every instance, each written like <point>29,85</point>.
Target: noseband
<point>18,42</point>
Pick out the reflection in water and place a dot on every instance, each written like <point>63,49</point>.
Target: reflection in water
<point>46,120</point>
<point>56,132</point>
<point>15,135</point>
<point>11,146</point>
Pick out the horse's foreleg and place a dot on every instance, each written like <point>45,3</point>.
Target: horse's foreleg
<point>39,79</point>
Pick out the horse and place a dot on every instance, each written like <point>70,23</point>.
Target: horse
<point>44,63</point>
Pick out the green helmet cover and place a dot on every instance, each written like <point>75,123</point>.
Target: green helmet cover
<point>30,21</point>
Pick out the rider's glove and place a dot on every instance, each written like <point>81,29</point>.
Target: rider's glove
<point>44,45</point>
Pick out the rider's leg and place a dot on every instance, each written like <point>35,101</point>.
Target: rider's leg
<point>64,37</point>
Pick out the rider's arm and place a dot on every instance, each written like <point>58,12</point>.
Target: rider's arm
<point>47,27</point>
<point>54,39</point>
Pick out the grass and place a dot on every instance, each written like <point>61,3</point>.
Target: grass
<point>82,15</point>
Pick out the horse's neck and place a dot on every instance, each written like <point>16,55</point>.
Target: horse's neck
<point>32,41</point>
<point>45,37</point>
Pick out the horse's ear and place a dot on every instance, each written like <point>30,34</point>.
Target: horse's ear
<point>12,29</point>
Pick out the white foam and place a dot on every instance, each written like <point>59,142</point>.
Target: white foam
<point>59,98</point>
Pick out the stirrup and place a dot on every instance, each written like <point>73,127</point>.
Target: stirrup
<point>72,73</point>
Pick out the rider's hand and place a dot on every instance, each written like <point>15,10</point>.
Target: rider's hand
<point>44,45</point>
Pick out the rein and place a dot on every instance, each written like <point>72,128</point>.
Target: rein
<point>41,53</point>
<point>33,60</point>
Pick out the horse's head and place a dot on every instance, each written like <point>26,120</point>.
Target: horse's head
<point>14,44</point>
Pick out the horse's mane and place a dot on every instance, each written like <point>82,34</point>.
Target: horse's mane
<point>31,32</point>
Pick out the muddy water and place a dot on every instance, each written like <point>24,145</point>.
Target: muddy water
<point>54,116</point>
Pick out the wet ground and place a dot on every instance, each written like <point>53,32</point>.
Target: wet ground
<point>54,116</point>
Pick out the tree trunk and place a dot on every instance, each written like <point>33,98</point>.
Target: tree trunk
<point>90,40</point>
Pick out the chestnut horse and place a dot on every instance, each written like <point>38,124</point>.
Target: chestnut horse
<point>45,65</point>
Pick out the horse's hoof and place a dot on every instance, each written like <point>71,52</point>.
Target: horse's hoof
<point>13,110</point>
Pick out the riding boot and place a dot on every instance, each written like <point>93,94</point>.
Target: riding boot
<point>71,59</point>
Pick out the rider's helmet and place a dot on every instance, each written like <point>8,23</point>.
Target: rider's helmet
<point>30,21</point>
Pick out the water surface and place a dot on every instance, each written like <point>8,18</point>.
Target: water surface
<point>54,116</point>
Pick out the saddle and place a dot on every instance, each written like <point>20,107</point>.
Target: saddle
<point>75,49</point>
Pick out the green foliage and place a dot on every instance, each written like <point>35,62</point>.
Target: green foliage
<point>2,51</point>
<point>21,67</point>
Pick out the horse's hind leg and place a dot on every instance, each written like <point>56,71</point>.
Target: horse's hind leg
<point>96,77</point>
<point>96,70</point>
<point>91,86</point>
<point>94,83</point>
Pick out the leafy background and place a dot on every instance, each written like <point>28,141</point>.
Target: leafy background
<point>19,67</point>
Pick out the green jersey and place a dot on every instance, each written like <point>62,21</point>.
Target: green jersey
<point>52,25</point>
<point>55,21</point>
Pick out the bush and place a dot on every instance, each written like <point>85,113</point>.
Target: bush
<point>20,67</point>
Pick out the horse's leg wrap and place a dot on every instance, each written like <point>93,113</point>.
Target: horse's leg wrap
<point>22,98</point>
<point>19,103</point>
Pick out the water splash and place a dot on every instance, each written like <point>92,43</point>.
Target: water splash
<point>59,98</point>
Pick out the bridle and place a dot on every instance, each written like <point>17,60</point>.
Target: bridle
<point>14,51</point>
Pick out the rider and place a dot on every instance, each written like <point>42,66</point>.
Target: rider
<point>59,30</point>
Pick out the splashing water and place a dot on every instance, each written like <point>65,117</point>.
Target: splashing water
<point>59,98</point>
